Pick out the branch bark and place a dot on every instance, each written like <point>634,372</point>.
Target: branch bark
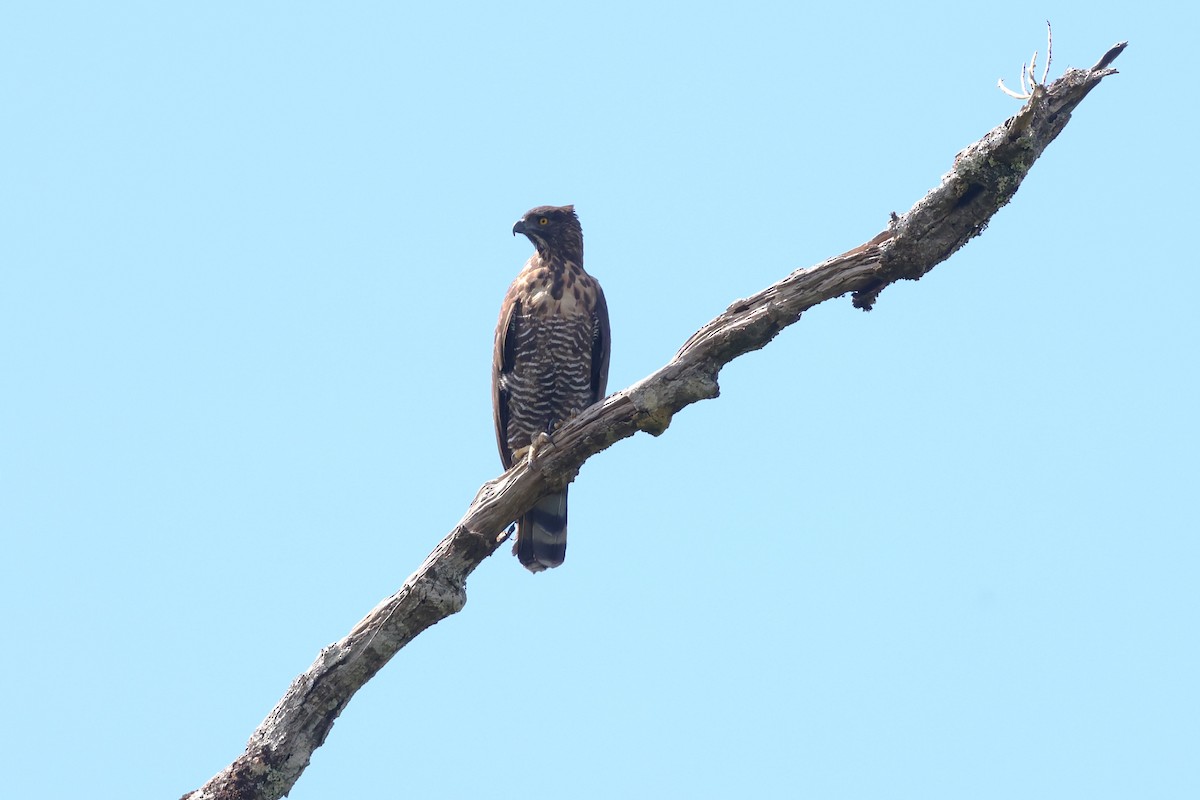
<point>983,179</point>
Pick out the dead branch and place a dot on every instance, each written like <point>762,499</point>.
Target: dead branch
<point>983,179</point>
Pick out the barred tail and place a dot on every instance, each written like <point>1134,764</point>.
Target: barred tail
<point>542,533</point>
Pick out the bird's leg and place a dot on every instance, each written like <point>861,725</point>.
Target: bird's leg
<point>541,441</point>
<point>541,445</point>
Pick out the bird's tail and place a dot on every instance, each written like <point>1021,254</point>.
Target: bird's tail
<point>542,533</point>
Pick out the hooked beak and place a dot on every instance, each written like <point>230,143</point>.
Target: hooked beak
<point>519,227</point>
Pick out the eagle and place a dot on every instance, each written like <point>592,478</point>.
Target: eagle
<point>549,363</point>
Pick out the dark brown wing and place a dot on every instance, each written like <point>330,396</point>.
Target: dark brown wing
<point>502,363</point>
<point>601,347</point>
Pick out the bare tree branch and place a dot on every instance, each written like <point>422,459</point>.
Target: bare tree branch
<point>983,179</point>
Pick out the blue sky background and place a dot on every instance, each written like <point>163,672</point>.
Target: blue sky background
<point>251,256</point>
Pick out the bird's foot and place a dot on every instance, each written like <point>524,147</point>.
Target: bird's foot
<point>540,442</point>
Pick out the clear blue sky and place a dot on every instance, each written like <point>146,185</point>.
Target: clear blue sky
<point>251,256</point>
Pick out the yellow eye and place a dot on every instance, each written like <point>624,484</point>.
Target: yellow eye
<point>543,221</point>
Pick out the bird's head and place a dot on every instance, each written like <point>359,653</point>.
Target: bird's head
<point>552,229</point>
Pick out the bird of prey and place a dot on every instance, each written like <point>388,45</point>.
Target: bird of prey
<point>550,362</point>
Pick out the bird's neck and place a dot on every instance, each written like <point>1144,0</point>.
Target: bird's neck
<point>560,259</point>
